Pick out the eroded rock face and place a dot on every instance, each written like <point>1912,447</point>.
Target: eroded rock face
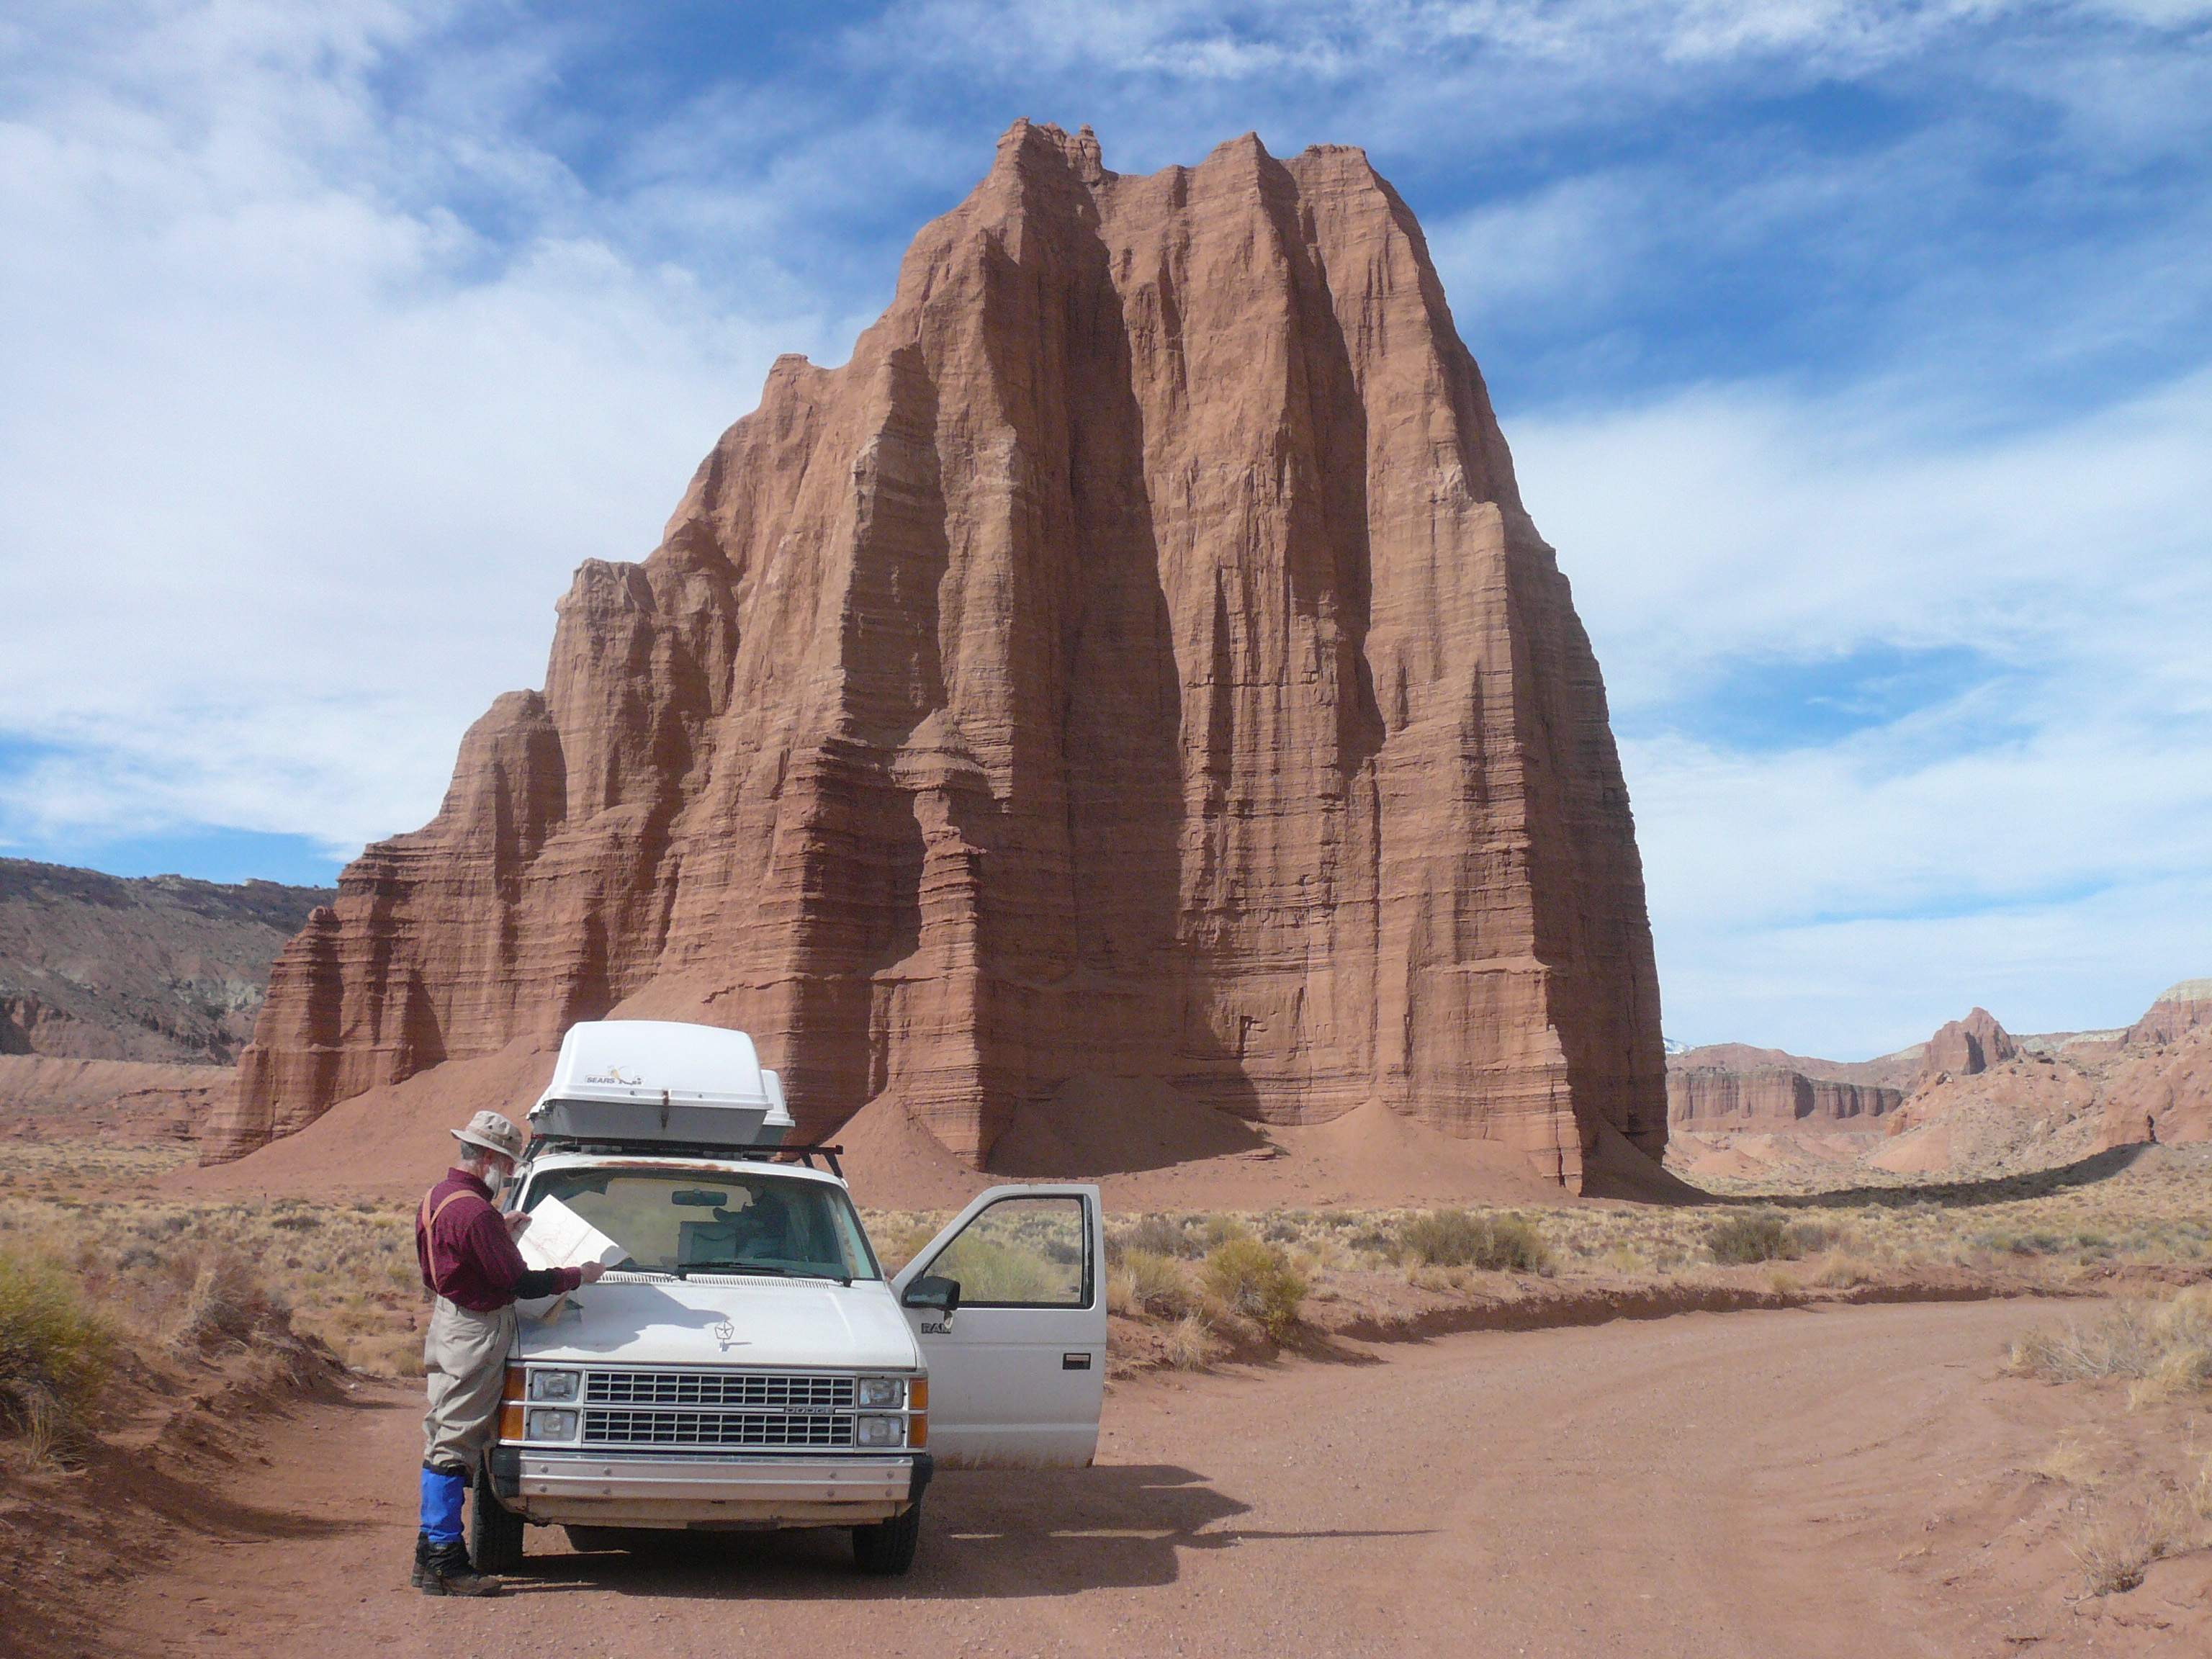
<point>1135,663</point>
<point>1965,1047</point>
<point>1771,1097</point>
<point>2177,1010</point>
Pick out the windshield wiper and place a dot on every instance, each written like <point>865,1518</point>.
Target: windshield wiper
<point>731,1265</point>
<point>738,1265</point>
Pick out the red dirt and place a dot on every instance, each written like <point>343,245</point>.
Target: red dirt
<point>391,1142</point>
<point>1629,1488</point>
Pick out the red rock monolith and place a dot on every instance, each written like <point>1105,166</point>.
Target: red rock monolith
<point>1134,663</point>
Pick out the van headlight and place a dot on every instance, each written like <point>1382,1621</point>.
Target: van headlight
<point>554,1385</point>
<point>880,1431</point>
<point>551,1425</point>
<point>880,1393</point>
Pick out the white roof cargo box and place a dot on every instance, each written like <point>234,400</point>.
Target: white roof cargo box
<point>657,1080</point>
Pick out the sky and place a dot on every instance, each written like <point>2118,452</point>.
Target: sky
<point>1856,358</point>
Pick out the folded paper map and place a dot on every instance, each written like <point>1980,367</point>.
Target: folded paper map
<point>558,1237</point>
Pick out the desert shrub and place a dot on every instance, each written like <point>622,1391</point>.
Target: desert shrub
<point>1455,1238</point>
<point>899,1240</point>
<point>1002,1270</point>
<point>1159,1285</point>
<point>225,1304</point>
<point>2167,1347</point>
<point>1256,1280</point>
<point>1746,1238</point>
<point>1189,1345</point>
<point>2114,1547</point>
<point>1157,1235</point>
<point>54,1353</point>
<point>1809,1238</point>
<point>2181,1344</point>
<point>1215,1231</point>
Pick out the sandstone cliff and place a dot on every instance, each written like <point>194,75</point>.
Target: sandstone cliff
<point>1771,1097</point>
<point>1962,1048</point>
<point>2177,1010</point>
<point>1134,663</point>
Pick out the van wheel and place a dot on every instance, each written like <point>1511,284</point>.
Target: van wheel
<point>886,1548</point>
<point>495,1534</point>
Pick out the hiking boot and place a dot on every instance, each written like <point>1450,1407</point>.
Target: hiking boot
<point>446,1571</point>
<point>421,1577</point>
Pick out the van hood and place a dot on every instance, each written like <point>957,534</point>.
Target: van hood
<point>723,1322</point>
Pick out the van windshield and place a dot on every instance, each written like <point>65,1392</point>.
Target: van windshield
<point>682,1221</point>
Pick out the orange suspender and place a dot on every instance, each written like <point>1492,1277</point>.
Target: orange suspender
<point>428,1216</point>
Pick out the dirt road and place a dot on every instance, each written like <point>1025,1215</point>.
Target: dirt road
<point>1762,1484</point>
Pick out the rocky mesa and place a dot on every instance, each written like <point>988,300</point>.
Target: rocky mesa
<point>1135,666</point>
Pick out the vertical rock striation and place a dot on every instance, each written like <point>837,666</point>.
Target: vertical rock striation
<point>1965,1048</point>
<point>1135,663</point>
<point>1712,1098</point>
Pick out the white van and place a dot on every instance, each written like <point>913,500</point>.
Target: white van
<point>745,1363</point>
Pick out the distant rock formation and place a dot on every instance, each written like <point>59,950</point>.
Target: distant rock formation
<point>1771,1097</point>
<point>1895,1072</point>
<point>1982,1101</point>
<point>1135,662</point>
<point>2177,1008</point>
<point>156,969</point>
<point>1962,1048</point>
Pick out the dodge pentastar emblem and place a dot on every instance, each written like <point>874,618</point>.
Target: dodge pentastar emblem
<point>727,1334</point>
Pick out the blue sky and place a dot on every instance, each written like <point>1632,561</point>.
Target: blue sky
<point>1857,358</point>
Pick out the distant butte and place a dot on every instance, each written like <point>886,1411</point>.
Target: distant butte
<point>1133,670</point>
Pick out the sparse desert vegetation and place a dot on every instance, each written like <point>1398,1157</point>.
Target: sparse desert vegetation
<point>197,1273</point>
<point>2135,1492</point>
<point>2052,1230</point>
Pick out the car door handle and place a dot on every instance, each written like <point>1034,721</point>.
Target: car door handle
<point>1075,1362</point>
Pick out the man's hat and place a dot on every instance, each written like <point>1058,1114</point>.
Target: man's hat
<point>493,1133</point>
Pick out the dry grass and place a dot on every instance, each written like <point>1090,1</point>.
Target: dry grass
<point>204,1276</point>
<point>346,1274</point>
<point>2165,1348</point>
<point>2115,1546</point>
<point>2053,1226</point>
<point>55,1356</point>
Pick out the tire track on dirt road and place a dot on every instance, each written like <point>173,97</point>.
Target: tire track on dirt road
<point>1717,1486</point>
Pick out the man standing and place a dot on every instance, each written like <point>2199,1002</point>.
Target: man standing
<point>469,1263</point>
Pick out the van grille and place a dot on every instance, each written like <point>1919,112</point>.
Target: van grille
<point>762,1409</point>
<point>761,1391</point>
<point>674,1428</point>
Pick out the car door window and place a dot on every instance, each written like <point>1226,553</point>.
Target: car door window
<point>1021,1252</point>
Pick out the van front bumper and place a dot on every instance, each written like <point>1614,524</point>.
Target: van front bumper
<point>624,1489</point>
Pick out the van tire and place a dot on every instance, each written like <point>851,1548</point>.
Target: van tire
<point>887,1549</point>
<point>495,1534</point>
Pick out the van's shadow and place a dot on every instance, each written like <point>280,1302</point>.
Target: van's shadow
<point>998,1533</point>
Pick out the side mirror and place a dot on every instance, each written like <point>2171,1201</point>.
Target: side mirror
<point>932,1290</point>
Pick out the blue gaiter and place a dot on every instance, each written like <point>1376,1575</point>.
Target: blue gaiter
<point>441,1506</point>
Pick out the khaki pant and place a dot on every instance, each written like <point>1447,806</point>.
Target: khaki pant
<point>464,1357</point>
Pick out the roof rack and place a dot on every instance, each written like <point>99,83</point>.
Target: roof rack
<point>722,1151</point>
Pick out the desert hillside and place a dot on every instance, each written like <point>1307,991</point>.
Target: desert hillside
<point>1974,1100</point>
<point>157,969</point>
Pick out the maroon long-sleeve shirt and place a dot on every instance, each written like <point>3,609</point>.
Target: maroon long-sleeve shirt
<point>468,1256</point>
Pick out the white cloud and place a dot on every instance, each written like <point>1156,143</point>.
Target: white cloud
<point>295,466</point>
<point>325,369</point>
<point>2056,845</point>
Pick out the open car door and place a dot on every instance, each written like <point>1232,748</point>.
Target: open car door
<point>1018,1372</point>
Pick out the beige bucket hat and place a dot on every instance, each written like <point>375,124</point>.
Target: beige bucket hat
<point>493,1133</point>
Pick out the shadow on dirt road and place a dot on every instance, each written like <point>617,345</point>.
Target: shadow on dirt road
<point>995,1534</point>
